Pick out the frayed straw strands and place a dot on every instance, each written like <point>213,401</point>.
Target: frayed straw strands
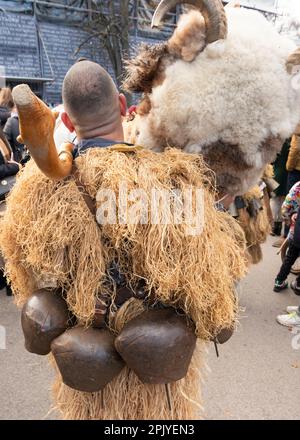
<point>49,237</point>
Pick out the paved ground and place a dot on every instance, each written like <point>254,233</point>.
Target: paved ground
<point>256,377</point>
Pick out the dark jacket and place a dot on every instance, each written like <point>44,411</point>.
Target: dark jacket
<point>4,115</point>
<point>280,171</point>
<point>12,131</point>
<point>296,239</point>
<point>85,144</point>
<point>7,169</point>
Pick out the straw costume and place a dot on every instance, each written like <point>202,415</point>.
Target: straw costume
<point>253,214</point>
<point>137,302</point>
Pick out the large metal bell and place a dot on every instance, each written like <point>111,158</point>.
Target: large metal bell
<point>224,335</point>
<point>157,345</point>
<point>45,316</point>
<point>87,358</point>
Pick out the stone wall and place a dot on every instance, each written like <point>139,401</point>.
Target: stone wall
<point>61,43</point>
<point>41,49</point>
<point>19,45</point>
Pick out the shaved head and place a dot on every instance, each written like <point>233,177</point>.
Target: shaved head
<point>90,96</point>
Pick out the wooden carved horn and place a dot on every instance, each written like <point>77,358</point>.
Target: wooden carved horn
<point>37,124</point>
<point>212,11</point>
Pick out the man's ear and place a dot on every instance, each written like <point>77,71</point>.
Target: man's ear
<point>123,104</point>
<point>67,121</point>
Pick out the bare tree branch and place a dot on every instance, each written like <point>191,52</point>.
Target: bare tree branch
<point>111,27</point>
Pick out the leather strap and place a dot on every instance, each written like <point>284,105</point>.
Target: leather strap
<point>85,195</point>
<point>101,310</point>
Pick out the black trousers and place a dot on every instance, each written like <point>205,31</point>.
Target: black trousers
<point>290,258</point>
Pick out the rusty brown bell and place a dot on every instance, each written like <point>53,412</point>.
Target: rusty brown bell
<point>224,335</point>
<point>157,345</point>
<point>87,358</point>
<point>45,316</point>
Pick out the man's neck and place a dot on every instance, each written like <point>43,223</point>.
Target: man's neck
<point>112,135</point>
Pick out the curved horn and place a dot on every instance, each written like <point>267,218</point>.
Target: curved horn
<point>293,62</point>
<point>37,124</point>
<point>233,4</point>
<point>212,11</point>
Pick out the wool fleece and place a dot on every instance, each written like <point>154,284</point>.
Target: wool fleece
<point>235,102</point>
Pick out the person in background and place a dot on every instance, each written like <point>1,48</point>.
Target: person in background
<point>6,105</point>
<point>293,161</point>
<point>12,131</point>
<point>61,133</point>
<point>292,317</point>
<point>290,210</point>
<point>280,175</point>
<point>8,167</point>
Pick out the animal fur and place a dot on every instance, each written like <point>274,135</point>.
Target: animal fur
<point>234,99</point>
<point>131,128</point>
<point>258,227</point>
